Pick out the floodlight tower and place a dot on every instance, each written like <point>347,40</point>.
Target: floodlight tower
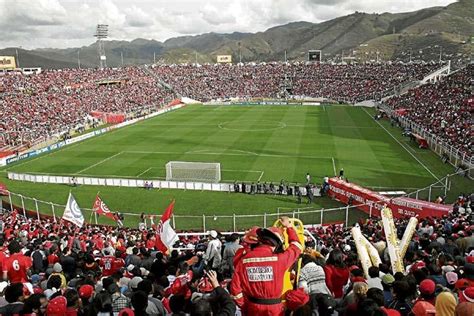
<point>101,33</point>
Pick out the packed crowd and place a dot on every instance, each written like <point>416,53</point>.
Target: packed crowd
<point>40,105</point>
<point>349,83</point>
<point>54,268</point>
<point>444,108</point>
<point>54,101</point>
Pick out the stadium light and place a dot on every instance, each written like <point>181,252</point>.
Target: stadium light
<point>102,32</point>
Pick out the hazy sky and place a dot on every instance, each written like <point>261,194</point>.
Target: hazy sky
<point>71,23</point>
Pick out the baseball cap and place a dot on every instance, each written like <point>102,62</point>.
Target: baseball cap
<point>57,306</point>
<point>296,298</point>
<point>388,279</point>
<point>250,236</point>
<point>451,277</point>
<point>417,265</point>
<point>427,287</point>
<point>467,295</point>
<point>133,284</point>
<point>86,291</point>
<point>213,233</point>
<point>424,308</point>
<point>57,267</point>
<point>461,284</point>
<point>35,278</point>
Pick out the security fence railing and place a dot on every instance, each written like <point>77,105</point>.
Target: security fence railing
<point>460,160</point>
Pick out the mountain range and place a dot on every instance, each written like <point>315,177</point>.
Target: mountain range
<point>424,34</point>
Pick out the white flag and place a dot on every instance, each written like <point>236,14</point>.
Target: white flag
<point>72,212</point>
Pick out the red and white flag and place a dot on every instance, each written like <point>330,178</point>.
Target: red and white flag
<point>101,209</point>
<point>166,236</point>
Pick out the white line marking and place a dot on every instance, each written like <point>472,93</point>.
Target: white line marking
<point>334,166</point>
<point>255,171</point>
<point>418,160</point>
<point>227,154</point>
<point>100,162</point>
<point>204,151</point>
<point>142,173</point>
<point>91,175</point>
<point>261,175</point>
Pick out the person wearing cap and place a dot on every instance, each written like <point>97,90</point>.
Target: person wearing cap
<point>213,257</point>
<point>58,270</point>
<point>387,281</point>
<point>57,306</point>
<point>426,300</point>
<point>466,303</point>
<point>257,283</point>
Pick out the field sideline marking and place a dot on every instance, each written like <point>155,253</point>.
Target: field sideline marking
<point>261,175</point>
<point>100,162</point>
<point>142,173</point>
<point>422,164</point>
<point>334,166</point>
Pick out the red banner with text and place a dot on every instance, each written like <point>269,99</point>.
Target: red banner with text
<point>372,202</point>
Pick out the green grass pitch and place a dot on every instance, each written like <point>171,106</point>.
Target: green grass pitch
<point>266,143</point>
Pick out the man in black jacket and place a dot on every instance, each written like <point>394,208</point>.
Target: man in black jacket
<point>14,297</point>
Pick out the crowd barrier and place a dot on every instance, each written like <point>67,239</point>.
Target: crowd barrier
<point>35,208</point>
<point>117,182</point>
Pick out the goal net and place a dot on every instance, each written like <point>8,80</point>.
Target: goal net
<point>193,171</point>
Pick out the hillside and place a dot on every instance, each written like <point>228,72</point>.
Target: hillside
<point>422,34</point>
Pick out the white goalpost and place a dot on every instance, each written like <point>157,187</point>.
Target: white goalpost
<point>193,171</point>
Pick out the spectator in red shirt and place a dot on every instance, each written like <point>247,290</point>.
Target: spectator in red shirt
<point>337,274</point>
<point>16,266</point>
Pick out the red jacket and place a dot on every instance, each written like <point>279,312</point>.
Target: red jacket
<point>259,275</point>
<point>336,278</point>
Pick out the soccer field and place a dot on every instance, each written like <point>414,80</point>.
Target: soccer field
<point>258,143</point>
<point>252,143</point>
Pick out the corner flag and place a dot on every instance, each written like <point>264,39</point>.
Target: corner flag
<point>72,212</point>
<point>166,236</point>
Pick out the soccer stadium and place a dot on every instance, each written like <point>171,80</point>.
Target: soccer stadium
<point>140,177</point>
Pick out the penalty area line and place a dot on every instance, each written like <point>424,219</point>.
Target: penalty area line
<point>142,173</point>
<point>100,162</point>
<point>261,175</point>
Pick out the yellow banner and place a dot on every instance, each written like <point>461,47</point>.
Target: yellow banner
<point>224,58</point>
<point>7,62</point>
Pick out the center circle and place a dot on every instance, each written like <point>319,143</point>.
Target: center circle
<point>251,125</point>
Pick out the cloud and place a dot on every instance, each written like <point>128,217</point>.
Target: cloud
<point>61,23</point>
<point>136,17</point>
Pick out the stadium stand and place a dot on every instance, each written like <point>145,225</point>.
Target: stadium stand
<point>105,270</point>
<point>37,106</point>
<point>348,83</point>
<point>444,108</point>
